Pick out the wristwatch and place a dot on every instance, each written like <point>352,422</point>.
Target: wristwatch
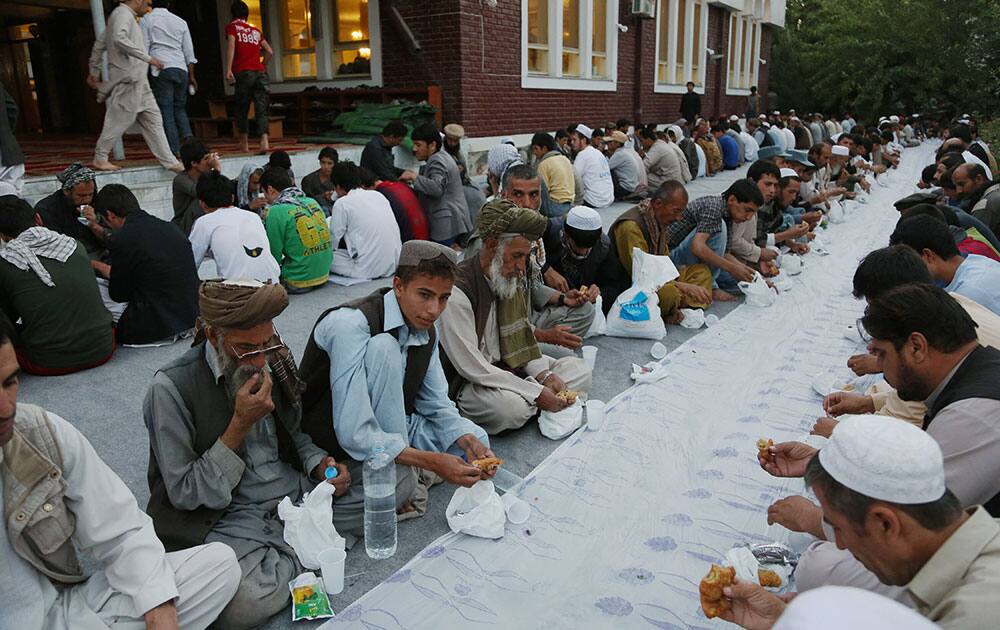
<point>562,300</point>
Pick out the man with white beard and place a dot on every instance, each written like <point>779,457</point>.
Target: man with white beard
<point>496,372</point>
<point>226,446</point>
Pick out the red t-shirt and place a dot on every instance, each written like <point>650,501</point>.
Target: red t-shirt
<point>246,55</point>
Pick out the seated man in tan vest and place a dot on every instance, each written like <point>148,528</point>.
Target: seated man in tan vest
<point>496,372</point>
<point>374,378</point>
<point>59,498</point>
<point>226,445</point>
<point>645,226</point>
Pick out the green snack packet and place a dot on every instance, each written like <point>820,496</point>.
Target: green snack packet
<point>309,598</point>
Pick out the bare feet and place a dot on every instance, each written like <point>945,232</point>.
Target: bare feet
<point>176,167</point>
<point>265,146</point>
<point>104,165</point>
<point>719,295</point>
<point>406,508</point>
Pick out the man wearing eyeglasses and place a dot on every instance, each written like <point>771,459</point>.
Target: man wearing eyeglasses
<point>374,376</point>
<point>226,445</point>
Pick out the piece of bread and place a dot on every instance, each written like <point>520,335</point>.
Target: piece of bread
<point>710,589</point>
<point>763,448</point>
<point>568,395</point>
<point>768,578</point>
<point>487,464</point>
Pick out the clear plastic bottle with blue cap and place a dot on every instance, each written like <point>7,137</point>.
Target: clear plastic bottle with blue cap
<point>379,476</point>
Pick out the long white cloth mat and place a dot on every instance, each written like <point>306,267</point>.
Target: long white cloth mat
<point>626,519</point>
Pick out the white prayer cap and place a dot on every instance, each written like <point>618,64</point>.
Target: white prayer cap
<point>584,218</point>
<point>965,121</point>
<point>762,116</point>
<point>585,131</point>
<point>969,156</point>
<point>787,172</point>
<point>678,132</point>
<point>886,459</point>
<point>894,118</point>
<point>776,113</point>
<point>837,607</point>
<point>734,118</point>
<point>836,136</point>
<point>839,149</point>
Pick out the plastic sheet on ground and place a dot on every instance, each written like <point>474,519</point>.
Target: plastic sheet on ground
<point>626,519</point>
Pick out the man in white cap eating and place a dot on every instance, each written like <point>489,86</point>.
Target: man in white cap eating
<point>576,249</point>
<point>881,484</point>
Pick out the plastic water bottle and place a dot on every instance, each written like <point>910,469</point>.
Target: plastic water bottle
<point>380,504</point>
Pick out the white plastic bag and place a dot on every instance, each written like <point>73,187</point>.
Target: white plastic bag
<point>556,425</point>
<point>636,312</point>
<point>477,511</point>
<point>309,528</point>
<point>600,324</point>
<point>757,292</point>
<point>693,318</point>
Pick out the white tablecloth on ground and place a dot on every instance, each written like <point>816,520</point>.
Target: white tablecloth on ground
<point>626,519</point>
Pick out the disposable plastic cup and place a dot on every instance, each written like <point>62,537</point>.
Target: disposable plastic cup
<point>711,319</point>
<point>517,510</point>
<point>331,563</point>
<point>505,480</point>
<point>595,414</point>
<point>658,350</point>
<point>589,355</point>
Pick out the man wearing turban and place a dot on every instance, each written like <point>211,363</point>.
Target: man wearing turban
<point>496,372</point>
<point>61,211</point>
<point>226,445</point>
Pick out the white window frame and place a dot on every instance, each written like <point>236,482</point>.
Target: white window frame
<point>747,61</point>
<point>554,79</point>
<point>689,54</point>
<point>325,70</point>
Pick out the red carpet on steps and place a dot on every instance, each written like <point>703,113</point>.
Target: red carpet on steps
<point>50,154</point>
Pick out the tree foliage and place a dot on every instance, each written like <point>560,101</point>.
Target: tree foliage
<point>874,57</point>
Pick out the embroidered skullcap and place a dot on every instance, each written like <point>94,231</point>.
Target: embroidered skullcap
<point>454,131</point>
<point>584,218</point>
<point>886,459</point>
<point>585,131</point>
<point>839,149</point>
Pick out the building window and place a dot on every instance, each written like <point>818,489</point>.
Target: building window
<point>569,44</point>
<point>298,50</point>
<point>352,51</point>
<point>681,39</point>
<point>538,36</point>
<point>744,50</point>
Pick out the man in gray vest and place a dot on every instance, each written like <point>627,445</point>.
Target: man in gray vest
<point>374,377</point>
<point>226,446</point>
<point>59,498</point>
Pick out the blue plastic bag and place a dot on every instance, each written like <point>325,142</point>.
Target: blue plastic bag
<point>636,309</point>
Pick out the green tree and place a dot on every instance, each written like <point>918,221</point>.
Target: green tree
<point>874,57</point>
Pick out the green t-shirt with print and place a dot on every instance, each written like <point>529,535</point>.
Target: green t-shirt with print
<point>300,241</point>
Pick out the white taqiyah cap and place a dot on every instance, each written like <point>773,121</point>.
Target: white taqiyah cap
<point>733,118</point>
<point>885,458</point>
<point>584,218</point>
<point>836,136</point>
<point>969,156</point>
<point>837,607</point>
<point>787,172</point>
<point>839,149</point>
<point>894,118</point>
<point>584,130</point>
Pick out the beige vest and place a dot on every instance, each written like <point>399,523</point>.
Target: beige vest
<point>39,525</point>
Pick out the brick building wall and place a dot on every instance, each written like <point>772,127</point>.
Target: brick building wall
<point>473,52</point>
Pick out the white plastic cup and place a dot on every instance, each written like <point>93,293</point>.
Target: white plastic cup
<point>505,480</point>
<point>711,319</point>
<point>331,564</point>
<point>658,351</point>
<point>589,355</point>
<point>518,511</point>
<point>595,414</point>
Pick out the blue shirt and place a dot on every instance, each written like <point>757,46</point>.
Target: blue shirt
<point>435,423</point>
<point>730,152</point>
<point>978,278</point>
